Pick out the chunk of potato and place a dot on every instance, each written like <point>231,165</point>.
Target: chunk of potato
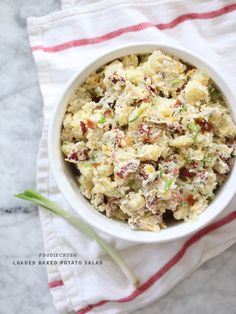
<point>183,140</point>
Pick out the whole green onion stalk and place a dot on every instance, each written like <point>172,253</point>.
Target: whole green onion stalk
<point>42,201</point>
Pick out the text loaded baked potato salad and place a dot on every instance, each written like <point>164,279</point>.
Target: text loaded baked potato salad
<point>149,136</point>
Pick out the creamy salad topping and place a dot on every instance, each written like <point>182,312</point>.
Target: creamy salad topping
<point>150,137</point>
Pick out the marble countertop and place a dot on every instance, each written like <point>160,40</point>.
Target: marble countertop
<point>210,289</point>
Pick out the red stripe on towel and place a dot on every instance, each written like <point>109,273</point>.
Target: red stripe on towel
<point>137,28</point>
<point>172,262</point>
<point>55,284</point>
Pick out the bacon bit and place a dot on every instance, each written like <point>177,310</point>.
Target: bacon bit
<point>98,106</point>
<point>107,112</point>
<point>227,161</point>
<point>178,103</point>
<point>185,173</point>
<point>144,129</point>
<point>79,155</point>
<point>175,171</point>
<point>151,203</point>
<point>96,98</point>
<point>175,127</point>
<point>126,169</point>
<point>121,174</point>
<point>142,173</point>
<point>83,127</point>
<point>178,90</point>
<point>151,89</point>
<point>85,155</point>
<point>194,163</point>
<point>161,125</point>
<point>119,141</point>
<point>73,156</point>
<point>153,138</point>
<point>145,100</point>
<point>205,126</point>
<point>149,140</point>
<point>178,197</point>
<point>96,164</point>
<point>116,78</point>
<point>91,124</point>
<point>202,176</point>
<point>190,200</point>
<point>230,140</point>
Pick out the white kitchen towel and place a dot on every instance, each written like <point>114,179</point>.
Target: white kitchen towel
<point>61,43</point>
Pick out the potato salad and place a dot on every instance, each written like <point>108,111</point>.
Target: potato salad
<point>150,137</point>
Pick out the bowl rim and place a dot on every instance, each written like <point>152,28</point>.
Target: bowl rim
<point>67,187</point>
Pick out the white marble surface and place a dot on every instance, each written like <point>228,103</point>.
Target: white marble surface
<point>23,290</point>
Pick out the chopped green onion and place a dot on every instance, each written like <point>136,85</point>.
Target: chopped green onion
<point>195,137</point>
<point>89,163</point>
<point>194,128</point>
<point>187,160</point>
<point>161,171</point>
<point>176,81</point>
<point>102,120</point>
<point>42,201</point>
<point>206,161</point>
<point>168,184</point>
<point>135,118</point>
<point>98,91</point>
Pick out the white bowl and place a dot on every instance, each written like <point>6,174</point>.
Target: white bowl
<point>67,183</point>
